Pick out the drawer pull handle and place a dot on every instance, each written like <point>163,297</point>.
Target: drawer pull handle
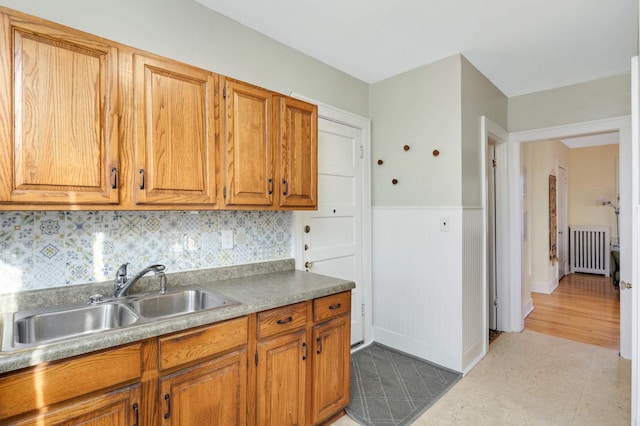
<point>306,351</point>
<point>286,187</point>
<point>285,321</point>
<point>270,186</point>
<point>167,398</point>
<point>319,343</point>
<point>135,410</point>
<point>336,306</point>
<point>141,171</point>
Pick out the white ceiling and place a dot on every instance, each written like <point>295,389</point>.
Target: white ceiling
<point>521,46</point>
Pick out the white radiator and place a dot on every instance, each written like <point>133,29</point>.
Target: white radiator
<point>589,246</point>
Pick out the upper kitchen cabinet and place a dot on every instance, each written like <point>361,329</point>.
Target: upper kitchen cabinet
<point>298,147</point>
<point>248,165</point>
<point>270,149</point>
<point>58,115</point>
<point>174,119</point>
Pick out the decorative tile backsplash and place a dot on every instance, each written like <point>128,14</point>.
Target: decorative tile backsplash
<point>45,249</point>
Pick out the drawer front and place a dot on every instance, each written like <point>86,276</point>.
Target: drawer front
<point>328,307</point>
<point>58,381</point>
<point>280,320</point>
<point>192,345</point>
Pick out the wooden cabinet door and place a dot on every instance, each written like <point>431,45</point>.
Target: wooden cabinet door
<point>250,179</point>
<point>212,393</point>
<point>117,408</point>
<point>174,132</point>
<point>298,143</point>
<point>331,361</point>
<point>58,115</point>
<point>281,378</point>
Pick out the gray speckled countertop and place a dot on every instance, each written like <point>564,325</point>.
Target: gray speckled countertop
<point>254,292</point>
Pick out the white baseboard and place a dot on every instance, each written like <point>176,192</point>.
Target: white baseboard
<point>418,349</point>
<point>546,288</point>
<point>527,308</point>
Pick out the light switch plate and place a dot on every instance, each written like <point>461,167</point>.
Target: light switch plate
<point>226,241</point>
<point>444,224</point>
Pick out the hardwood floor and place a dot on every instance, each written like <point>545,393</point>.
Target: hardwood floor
<point>584,308</point>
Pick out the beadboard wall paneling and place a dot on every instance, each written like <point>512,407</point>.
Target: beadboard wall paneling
<point>45,249</point>
<point>474,302</point>
<point>417,281</point>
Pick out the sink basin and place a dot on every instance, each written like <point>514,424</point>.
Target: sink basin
<point>35,327</point>
<point>49,324</point>
<point>178,303</point>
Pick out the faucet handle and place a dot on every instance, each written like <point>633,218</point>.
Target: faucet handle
<point>121,274</point>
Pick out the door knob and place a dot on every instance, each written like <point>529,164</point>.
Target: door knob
<point>308,264</point>
<point>625,285</point>
<point>307,229</point>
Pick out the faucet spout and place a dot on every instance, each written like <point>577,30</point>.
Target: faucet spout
<point>124,284</point>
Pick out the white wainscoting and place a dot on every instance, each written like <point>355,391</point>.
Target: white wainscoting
<point>474,288</point>
<point>417,283</point>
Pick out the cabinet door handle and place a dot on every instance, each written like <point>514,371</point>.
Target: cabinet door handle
<point>336,306</point>
<point>319,344</point>
<point>167,398</point>
<point>270,186</point>
<point>141,171</point>
<point>306,351</point>
<point>135,410</point>
<point>114,178</point>
<point>285,321</point>
<point>286,187</point>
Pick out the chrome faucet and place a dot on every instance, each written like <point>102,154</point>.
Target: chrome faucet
<point>124,284</point>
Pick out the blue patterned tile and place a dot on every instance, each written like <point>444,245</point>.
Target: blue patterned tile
<point>51,249</point>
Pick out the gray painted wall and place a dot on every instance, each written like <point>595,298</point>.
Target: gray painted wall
<point>189,32</point>
<point>419,108</point>
<point>593,100</point>
<point>479,97</point>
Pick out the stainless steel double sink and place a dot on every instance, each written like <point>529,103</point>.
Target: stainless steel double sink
<point>35,327</point>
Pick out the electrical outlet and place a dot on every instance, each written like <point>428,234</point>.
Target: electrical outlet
<point>226,240</point>
<point>444,224</point>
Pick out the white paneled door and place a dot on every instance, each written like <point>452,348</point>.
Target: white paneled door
<point>332,235</point>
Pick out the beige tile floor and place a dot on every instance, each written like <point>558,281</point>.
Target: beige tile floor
<point>533,379</point>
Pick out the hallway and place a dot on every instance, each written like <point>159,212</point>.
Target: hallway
<point>584,308</point>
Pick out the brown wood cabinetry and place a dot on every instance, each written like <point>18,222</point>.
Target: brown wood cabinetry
<point>58,115</point>
<point>173,132</point>
<point>270,149</point>
<point>249,145</point>
<point>119,407</point>
<point>298,375</point>
<point>281,360</point>
<point>284,358</point>
<point>331,337</point>
<point>211,393</point>
<point>298,144</point>
<point>86,123</point>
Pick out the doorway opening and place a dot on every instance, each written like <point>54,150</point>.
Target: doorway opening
<point>585,174</point>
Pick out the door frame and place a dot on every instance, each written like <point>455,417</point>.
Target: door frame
<point>563,200</point>
<point>622,125</point>
<point>363,124</point>
<point>490,130</point>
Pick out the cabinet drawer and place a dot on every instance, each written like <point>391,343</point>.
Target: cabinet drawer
<point>280,320</point>
<point>325,308</point>
<point>200,343</point>
<point>47,384</point>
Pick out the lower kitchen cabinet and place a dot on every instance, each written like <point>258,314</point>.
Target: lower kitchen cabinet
<point>211,393</point>
<point>281,372</point>
<point>119,407</point>
<point>330,386</point>
<point>208,375</point>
